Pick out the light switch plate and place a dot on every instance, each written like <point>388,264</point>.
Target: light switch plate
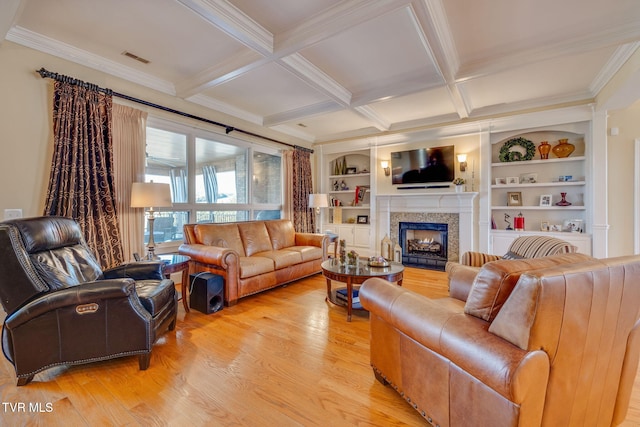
<point>12,213</point>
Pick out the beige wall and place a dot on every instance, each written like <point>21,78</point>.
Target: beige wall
<point>620,166</point>
<point>25,121</point>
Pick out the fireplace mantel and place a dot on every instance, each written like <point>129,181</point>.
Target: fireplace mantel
<point>442,202</point>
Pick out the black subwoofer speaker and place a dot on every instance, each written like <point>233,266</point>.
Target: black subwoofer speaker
<point>206,292</point>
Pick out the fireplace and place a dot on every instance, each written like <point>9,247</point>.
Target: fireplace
<point>424,244</point>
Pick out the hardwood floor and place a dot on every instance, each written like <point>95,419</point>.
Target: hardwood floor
<point>281,358</point>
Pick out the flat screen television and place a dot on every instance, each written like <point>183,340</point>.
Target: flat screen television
<point>423,165</point>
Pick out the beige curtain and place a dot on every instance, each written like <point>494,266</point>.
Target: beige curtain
<point>287,207</point>
<point>129,141</point>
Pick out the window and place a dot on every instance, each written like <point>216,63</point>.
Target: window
<point>213,178</point>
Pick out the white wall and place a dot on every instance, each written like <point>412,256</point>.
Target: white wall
<point>620,163</point>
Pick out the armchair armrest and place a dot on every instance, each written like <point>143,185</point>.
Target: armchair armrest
<point>314,239</point>
<point>462,339</point>
<point>212,255</point>
<point>144,270</point>
<point>76,295</point>
<point>461,279</point>
<point>477,259</point>
<point>311,239</point>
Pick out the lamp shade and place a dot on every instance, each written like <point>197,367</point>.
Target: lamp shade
<point>318,201</point>
<point>150,195</point>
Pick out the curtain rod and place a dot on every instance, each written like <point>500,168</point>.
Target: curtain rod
<point>228,129</point>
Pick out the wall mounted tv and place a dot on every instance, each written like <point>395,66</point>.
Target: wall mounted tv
<point>423,165</point>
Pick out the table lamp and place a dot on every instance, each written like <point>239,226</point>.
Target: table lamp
<point>150,195</point>
<point>318,201</point>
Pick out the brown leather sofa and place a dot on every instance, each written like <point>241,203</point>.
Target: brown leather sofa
<point>550,341</point>
<point>63,309</point>
<point>253,256</point>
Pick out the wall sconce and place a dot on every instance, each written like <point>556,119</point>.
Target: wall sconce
<point>462,159</point>
<point>385,166</point>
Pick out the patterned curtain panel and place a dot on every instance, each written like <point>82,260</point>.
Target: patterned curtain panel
<point>81,185</point>
<point>302,186</point>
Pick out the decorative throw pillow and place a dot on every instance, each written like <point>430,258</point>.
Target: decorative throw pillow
<point>495,281</point>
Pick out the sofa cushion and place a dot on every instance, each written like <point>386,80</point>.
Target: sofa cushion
<point>221,235</point>
<point>255,265</point>
<point>282,233</point>
<point>308,253</point>
<point>495,281</point>
<point>255,237</point>
<point>281,259</point>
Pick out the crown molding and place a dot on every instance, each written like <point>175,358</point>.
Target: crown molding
<point>56,48</point>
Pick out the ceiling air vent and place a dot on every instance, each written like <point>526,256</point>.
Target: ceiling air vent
<point>136,57</point>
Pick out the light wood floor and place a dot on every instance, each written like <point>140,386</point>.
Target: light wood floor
<point>281,358</point>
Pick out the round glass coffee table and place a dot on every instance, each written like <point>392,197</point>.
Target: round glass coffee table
<point>355,275</point>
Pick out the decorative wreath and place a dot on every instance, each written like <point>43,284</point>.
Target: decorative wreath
<point>506,155</point>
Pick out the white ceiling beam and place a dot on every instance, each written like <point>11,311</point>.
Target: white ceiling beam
<point>341,17</point>
<point>234,22</point>
<point>302,113</point>
<point>433,25</point>
<point>316,78</point>
<point>501,60</point>
<point>375,119</point>
<point>225,71</point>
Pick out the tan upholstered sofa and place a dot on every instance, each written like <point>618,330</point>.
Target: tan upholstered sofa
<point>253,256</point>
<point>549,341</point>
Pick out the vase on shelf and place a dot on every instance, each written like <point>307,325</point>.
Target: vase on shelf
<point>563,202</point>
<point>564,148</point>
<point>459,188</point>
<point>544,149</point>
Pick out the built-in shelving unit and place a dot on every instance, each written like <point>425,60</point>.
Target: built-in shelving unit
<point>349,216</point>
<point>532,189</point>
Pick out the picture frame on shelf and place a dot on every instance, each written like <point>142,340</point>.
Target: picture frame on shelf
<point>363,219</point>
<point>528,178</point>
<point>514,198</point>
<point>555,227</point>
<point>544,225</point>
<point>545,200</point>
<point>573,225</point>
<point>352,170</point>
<point>513,180</point>
<point>501,181</point>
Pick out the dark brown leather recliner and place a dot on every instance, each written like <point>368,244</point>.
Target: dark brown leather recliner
<point>63,309</point>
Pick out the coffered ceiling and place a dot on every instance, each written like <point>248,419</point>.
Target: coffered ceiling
<point>322,70</point>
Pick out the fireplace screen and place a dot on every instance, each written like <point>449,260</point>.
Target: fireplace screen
<point>424,244</point>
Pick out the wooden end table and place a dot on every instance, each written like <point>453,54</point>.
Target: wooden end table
<point>352,275</point>
<point>174,263</point>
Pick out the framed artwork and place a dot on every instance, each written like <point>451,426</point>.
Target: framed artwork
<point>529,178</point>
<point>544,226</point>
<point>352,171</point>
<point>363,219</point>
<point>545,200</point>
<point>513,180</point>
<point>501,181</point>
<point>514,198</point>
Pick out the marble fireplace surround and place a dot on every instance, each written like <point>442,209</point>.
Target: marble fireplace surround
<point>454,209</point>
